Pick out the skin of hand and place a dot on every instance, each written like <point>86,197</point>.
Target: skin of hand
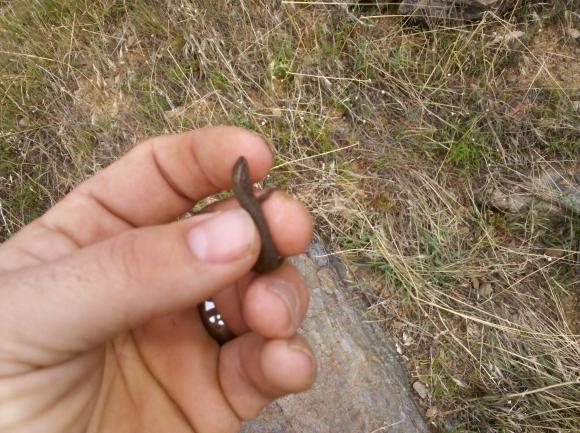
<point>99,330</point>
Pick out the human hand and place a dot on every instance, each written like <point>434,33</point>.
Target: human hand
<point>99,329</point>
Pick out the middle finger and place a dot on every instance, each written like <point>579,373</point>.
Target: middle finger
<point>272,305</point>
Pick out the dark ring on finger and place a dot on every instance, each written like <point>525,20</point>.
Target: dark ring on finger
<point>214,323</point>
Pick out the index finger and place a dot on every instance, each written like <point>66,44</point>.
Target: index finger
<point>158,181</point>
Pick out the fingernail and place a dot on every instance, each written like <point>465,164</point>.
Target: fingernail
<point>224,238</point>
<point>286,292</point>
<point>304,352</point>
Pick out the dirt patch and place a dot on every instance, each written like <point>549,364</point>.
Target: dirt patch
<point>549,60</point>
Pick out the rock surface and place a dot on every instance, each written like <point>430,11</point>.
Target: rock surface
<point>463,9</point>
<point>552,193</point>
<point>361,386</point>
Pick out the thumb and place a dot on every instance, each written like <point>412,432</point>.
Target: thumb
<point>86,298</point>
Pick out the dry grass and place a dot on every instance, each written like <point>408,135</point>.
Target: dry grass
<point>396,135</point>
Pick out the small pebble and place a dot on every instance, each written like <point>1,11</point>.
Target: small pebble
<point>420,389</point>
<point>555,253</point>
<point>574,33</point>
<point>22,121</point>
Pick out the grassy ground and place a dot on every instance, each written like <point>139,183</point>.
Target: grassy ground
<point>395,134</point>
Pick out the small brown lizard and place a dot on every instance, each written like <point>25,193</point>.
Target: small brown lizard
<point>268,260</point>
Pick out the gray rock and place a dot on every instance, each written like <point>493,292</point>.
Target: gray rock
<point>463,9</point>
<point>552,193</point>
<point>361,386</point>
